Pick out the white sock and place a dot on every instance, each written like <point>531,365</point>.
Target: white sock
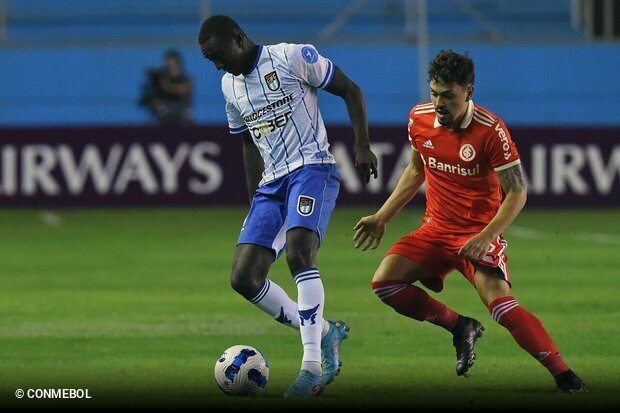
<point>310,300</point>
<point>273,300</point>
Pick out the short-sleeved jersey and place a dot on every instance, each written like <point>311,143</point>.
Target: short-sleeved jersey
<point>277,102</point>
<point>460,165</point>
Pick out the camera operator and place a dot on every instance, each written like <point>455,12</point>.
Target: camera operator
<point>167,94</point>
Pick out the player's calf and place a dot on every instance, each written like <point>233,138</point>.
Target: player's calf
<point>414,302</point>
<point>250,267</point>
<point>528,332</point>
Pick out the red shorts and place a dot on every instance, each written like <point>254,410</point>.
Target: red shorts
<point>436,250</point>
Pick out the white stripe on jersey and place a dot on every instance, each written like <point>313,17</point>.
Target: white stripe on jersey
<point>420,112</point>
<point>484,114</point>
<point>508,165</point>
<point>481,120</point>
<point>277,102</point>
<point>424,106</point>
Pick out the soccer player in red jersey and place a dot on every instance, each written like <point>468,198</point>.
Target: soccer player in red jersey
<point>467,157</point>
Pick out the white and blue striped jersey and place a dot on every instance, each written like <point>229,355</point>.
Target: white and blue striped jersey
<point>277,102</point>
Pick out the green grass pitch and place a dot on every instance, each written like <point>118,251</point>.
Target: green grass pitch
<point>136,306</point>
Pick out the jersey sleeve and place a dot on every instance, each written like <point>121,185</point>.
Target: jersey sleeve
<point>236,124</point>
<point>411,126</point>
<point>308,65</point>
<point>501,148</point>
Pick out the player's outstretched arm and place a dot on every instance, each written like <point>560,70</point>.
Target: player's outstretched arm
<point>341,85</point>
<point>253,163</point>
<point>513,184</point>
<point>369,230</point>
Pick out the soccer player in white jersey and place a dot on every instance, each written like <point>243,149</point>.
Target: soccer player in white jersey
<point>292,179</point>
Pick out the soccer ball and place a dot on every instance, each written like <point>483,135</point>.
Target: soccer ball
<point>241,371</point>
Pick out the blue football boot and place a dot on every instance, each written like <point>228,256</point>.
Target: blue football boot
<point>330,349</point>
<point>306,385</point>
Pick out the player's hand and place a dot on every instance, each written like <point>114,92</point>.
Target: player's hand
<point>368,232</point>
<point>366,163</point>
<point>476,248</point>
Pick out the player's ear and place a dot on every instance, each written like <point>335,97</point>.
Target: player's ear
<point>238,38</point>
<point>470,92</point>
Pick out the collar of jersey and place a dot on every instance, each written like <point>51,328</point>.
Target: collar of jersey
<point>260,51</point>
<point>469,115</point>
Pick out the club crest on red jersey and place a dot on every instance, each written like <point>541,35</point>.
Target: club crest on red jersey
<point>273,83</point>
<point>467,152</point>
<point>305,205</point>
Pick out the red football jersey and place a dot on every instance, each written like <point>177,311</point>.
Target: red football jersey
<point>463,190</point>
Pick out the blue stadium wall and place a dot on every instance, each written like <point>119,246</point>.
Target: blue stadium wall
<point>536,85</point>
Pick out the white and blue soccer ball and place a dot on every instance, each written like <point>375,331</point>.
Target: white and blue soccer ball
<point>241,371</point>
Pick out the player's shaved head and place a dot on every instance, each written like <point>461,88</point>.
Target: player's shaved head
<point>218,27</point>
<point>223,42</point>
<point>450,67</point>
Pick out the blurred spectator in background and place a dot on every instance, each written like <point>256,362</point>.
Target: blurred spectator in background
<point>167,92</point>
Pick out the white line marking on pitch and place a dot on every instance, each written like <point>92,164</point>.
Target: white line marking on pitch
<point>600,237</point>
<point>51,219</point>
<point>582,236</point>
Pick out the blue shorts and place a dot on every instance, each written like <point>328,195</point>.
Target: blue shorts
<point>304,198</point>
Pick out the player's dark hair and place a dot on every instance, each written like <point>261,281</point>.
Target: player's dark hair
<point>217,26</point>
<point>451,67</point>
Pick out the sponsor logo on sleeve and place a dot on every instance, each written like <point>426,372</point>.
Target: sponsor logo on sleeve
<point>504,139</point>
<point>309,54</point>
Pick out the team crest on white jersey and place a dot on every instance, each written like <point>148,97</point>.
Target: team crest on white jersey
<point>305,205</point>
<point>273,83</point>
<point>467,152</point>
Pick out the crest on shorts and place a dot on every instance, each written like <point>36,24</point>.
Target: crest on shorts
<point>467,152</point>
<point>273,83</point>
<point>305,205</point>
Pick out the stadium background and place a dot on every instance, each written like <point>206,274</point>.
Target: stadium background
<point>118,233</point>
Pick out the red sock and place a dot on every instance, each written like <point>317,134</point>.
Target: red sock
<point>529,333</point>
<point>415,303</point>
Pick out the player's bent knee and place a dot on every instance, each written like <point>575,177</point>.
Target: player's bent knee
<point>245,284</point>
